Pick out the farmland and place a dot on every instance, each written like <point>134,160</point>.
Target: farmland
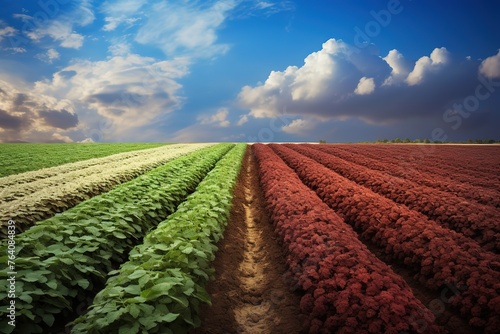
<point>22,157</point>
<point>276,238</point>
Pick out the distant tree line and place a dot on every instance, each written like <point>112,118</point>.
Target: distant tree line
<point>428,141</point>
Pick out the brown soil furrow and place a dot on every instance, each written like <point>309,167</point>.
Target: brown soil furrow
<point>249,293</point>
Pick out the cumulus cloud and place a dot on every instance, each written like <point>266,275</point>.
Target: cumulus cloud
<point>426,65</point>
<point>400,67</point>
<point>365,86</point>
<point>330,74</point>
<point>130,91</point>
<point>490,67</point>
<point>25,115</point>
<point>59,138</point>
<point>299,126</point>
<point>218,119</point>
<point>387,89</point>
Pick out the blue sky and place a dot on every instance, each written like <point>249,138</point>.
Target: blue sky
<point>247,70</point>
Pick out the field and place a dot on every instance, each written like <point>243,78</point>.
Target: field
<point>236,238</point>
<point>22,157</point>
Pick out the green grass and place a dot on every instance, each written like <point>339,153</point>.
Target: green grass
<point>23,157</point>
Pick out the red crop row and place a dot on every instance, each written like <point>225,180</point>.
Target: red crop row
<point>476,221</point>
<point>427,162</point>
<point>412,172</point>
<point>346,288</point>
<point>483,159</point>
<point>440,255</point>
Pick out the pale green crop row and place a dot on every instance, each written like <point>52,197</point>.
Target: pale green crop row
<point>29,202</point>
<point>22,157</point>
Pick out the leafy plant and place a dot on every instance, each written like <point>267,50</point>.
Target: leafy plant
<point>441,256</point>
<point>161,286</point>
<point>345,287</point>
<point>22,157</point>
<point>63,259</point>
<point>57,189</point>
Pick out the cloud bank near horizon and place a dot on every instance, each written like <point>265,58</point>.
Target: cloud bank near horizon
<point>341,82</point>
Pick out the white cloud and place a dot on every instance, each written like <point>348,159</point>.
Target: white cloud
<point>29,116</point>
<point>426,65</point>
<point>299,127</point>
<point>57,137</point>
<point>119,49</point>
<point>261,8</point>
<point>218,119</point>
<point>399,66</point>
<point>114,22</point>
<point>187,29</point>
<point>329,74</point>
<point>366,86</point>
<point>7,32</point>
<point>390,89</point>
<point>48,56</point>
<point>16,50</point>
<point>243,119</point>
<point>490,67</point>
<point>62,27</point>
<point>122,7</point>
<point>119,12</point>
<point>130,91</point>
<point>59,31</point>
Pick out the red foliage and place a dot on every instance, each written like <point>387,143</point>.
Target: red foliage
<point>334,269</point>
<point>438,169</point>
<point>445,259</point>
<point>445,208</point>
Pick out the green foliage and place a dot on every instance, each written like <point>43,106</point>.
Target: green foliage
<point>17,158</point>
<point>63,259</point>
<point>161,286</point>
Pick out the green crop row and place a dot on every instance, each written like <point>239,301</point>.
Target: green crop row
<point>30,202</point>
<point>62,260</point>
<point>161,286</point>
<point>22,157</point>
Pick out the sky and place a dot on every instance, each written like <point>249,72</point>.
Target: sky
<point>248,70</point>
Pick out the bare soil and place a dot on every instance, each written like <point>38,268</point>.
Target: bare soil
<point>250,293</point>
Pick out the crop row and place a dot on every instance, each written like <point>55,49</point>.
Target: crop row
<point>476,221</point>
<point>450,166</point>
<point>42,198</point>
<point>440,256</point>
<point>346,288</point>
<point>16,180</point>
<point>61,260</point>
<point>161,286</point>
<point>458,158</point>
<point>412,172</point>
<point>22,157</point>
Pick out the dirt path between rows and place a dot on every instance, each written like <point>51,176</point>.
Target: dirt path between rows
<point>250,294</point>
